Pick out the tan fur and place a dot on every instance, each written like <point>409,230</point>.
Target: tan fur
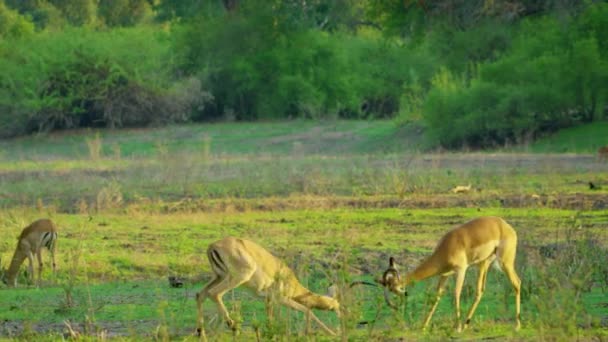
<point>461,189</point>
<point>237,262</point>
<point>602,153</point>
<point>476,243</point>
<point>38,235</point>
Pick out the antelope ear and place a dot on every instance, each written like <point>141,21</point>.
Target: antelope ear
<point>380,281</point>
<point>332,291</point>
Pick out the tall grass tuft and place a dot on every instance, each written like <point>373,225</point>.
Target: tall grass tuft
<point>95,146</point>
<point>566,270</point>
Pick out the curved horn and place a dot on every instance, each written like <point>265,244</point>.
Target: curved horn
<point>388,278</point>
<point>388,300</point>
<point>392,267</point>
<point>362,282</point>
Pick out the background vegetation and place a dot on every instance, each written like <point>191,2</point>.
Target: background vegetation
<point>474,74</point>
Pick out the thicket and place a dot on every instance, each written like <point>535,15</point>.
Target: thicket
<point>257,68</point>
<point>553,74</point>
<point>83,78</point>
<point>473,76</point>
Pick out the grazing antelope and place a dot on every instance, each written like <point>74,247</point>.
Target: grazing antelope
<point>238,262</point>
<point>476,243</point>
<point>602,153</point>
<point>41,233</point>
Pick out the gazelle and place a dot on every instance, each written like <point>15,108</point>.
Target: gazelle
<point>238,262</point>
<point>478,242</point>
<point>38,235</point>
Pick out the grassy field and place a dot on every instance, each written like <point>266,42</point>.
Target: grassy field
<point>581,139</point>
<point>334,200</point>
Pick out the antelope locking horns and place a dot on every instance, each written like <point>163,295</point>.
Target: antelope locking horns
<point>390,276</point>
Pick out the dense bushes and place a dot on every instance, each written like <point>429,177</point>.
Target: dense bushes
<point>81,78</point>
<point>475,81</point>
<point>260,65</point>
<point>553,75</point>
<point>12,24</point>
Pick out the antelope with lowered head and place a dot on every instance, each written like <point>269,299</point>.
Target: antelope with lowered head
<point>476,243</point>
<point>38,235</point>
<point>236,262</point>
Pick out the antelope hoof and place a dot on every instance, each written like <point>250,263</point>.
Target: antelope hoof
<point>199,332</point>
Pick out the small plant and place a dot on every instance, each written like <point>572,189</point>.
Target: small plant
<point>109,197</point>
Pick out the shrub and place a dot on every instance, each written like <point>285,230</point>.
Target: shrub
<point>12,24</point>
<point>552,76</point>
<point>259,64</point>
<point>82,78</point>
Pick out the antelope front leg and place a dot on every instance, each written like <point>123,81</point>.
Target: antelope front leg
<point>440,289</point>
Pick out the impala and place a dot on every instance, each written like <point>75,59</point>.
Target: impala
<point>236,262</point>
<point>476,243</point>
<point>38,235</point>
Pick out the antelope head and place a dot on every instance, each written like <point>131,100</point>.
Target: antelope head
<point>391,281</point>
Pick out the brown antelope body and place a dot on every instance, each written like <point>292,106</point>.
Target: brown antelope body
<point>237,262</point>
<point>35,237</point>
<point>476,243</point>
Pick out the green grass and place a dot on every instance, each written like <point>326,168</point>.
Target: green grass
<point>281,138</point>
<point>333,199</point>
<point>120,282</point>
<point>580,139</point>
<point>269,138</point>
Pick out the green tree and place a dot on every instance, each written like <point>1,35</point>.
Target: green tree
<point>124,12</point>
<point>12,24</point>
<point>169,10</point>
<point>78,12</point>
<point>43,14</point>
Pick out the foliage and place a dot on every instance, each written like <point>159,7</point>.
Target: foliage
<point>521,69</point>
<point>551,76</point>
<point>122,13</point>
<point>12,24</point>
<point>262,63</point>
<point>80,78</point>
